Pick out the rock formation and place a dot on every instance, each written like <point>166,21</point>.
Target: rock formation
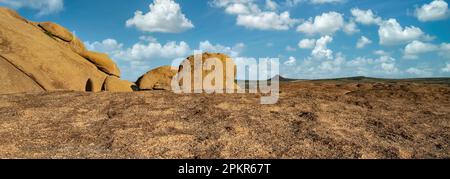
<point>57,31</point>
<point>103,62</point>
<point>157,79</point>
<point>223,59</point>
<point>46,56</point>
<point>115,84</point>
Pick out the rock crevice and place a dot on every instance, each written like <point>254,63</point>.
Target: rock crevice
<point>45,56</point>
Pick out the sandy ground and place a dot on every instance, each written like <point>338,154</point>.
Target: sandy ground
<point>323,119</point>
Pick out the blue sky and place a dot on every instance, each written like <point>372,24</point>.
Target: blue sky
<point>312,38</point>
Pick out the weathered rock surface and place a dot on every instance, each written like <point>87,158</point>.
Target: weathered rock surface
<point>157,79</point>
<point>13,80</point>
<point>114,84</point>
<point>47,57</point>
<point>56,30</point>
<point>228,66</point>
<point>103,62</point>
<point>12,13</point>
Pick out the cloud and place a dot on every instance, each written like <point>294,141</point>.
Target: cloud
<point>137,59</point>
<point>290,49</point>
<point>237,7</point>
<point>381,53</point>
<point>292,3</point>
<point>321,50</point>
<point>445,50</point>
<point>362,42</point>
<point>325,24</point>
<point>147,38</point>
<point>389,67</point>
<point>391,33</point>
<point>326,1</point>
<point>366,17</point>
<point>307,43</point>
<point>108,45</point>
<point>291,61</point>
<point>141,56</point>
<point>446,69</point>
<point>44,7</point>
<point>436,10</point>
<point>164,16</point>
<point>350,28</point>
<point>377,67</point>
<point>419,72</point>
<point>332,65</point>
<point>415,48</point>
<point>266,21</point>
<point>271,5</point>
<point>152,50</point>
<point>249,15</point>
<point>234,51</point>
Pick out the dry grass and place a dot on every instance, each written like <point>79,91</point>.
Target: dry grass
<point>323,119</point>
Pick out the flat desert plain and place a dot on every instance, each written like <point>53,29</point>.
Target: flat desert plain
<point>313,119</point>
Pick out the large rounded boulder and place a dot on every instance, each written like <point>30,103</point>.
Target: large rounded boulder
<point>114,84</point>
<point>207,59</point>
<point>157,79</point>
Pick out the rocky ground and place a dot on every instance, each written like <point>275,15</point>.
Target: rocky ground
<point>321,119</point>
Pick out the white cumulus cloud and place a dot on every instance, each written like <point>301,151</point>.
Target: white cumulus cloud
<point>324,24</point>
<point>234,51</point>
<point>291,61</point>
<point>307,43</point>
<point>366,17</point>
<point>108,45</point>
<point>392,33</point>
<point>321,50</point>
<point>266,21</point>
<point>44,7</point>
<point>164,16</point>
<point>249,14</point>
<point>350,28</point>
<point>436,10</point>
<point>362,42</point>
<point>415,48</point>
<point>271,5</point>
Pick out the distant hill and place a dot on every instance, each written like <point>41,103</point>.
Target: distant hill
<point>442,80</point>
<point>438,80</point>
<point>281,78</point>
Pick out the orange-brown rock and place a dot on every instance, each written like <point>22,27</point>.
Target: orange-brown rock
<point>157,79</point>
<point>57,31</point>
<point>224,60</point>
<point>31,60</point>
<point>114,84</point>
<point>103,62</point>
<point>77,46</point>
<point>12,13</point>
